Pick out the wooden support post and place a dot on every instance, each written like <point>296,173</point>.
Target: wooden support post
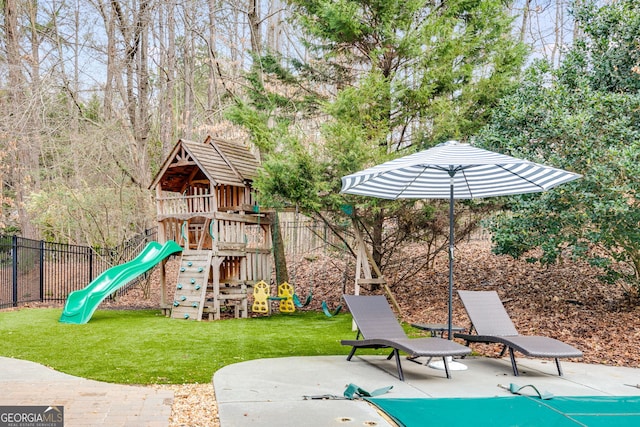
<point>163,283</point>
<point>365,260</point>
<point>215,264</point>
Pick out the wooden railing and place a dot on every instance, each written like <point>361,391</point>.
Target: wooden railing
<point>182,206</point>
<point>185,205</point>
<point>229,234</point>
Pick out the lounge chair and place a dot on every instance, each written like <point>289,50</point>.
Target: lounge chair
<point>380,329</point>
<point>493,325</point>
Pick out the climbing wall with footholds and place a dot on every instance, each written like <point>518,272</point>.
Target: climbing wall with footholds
<point>191,286</point>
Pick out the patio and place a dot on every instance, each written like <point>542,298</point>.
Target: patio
<point>271,391</point>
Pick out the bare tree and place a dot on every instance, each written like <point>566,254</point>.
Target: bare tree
<point>275,26</point>
<point>166,73</point>
<point>546,25</point>
<point>253,14</point>
<point>214,100</point>
<point>188,68</point>
<point>18,108</point>
<point>127,28</point>
<point>12,46</point>
<point>525,19</point>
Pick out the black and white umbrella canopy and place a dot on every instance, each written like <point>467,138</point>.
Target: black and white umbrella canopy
<point>476,173</point>
<point>453,170</point>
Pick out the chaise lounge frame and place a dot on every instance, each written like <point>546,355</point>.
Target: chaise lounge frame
<point>492,324</point>
<point>379,328</point>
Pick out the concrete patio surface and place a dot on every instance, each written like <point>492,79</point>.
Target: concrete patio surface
<point>271,392</point>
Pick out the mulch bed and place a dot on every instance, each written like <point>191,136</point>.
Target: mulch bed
<point>565,301</point>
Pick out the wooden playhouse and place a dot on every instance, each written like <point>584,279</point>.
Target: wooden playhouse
<point>206,203</point>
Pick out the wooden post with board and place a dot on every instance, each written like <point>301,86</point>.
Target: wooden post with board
<point>364,265</point>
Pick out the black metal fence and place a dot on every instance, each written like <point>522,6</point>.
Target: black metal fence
<point>39,271</point>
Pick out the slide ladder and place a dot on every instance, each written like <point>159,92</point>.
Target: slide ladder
<point>191,289</point>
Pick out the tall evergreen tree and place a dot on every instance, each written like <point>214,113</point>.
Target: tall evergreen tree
<point>402,75</point>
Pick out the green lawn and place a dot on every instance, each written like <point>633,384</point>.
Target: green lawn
<point>144,347</point>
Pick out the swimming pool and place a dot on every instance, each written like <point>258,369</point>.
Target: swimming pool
<point>525,411</point>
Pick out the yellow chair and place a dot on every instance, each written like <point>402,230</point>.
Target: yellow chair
<point>261,294</point>
<point>285,293</point>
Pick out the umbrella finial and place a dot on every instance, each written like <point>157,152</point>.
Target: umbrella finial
<point>450,143</point>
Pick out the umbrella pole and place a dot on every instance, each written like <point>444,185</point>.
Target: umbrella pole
<point>451,236</point>
<point>441,364</point>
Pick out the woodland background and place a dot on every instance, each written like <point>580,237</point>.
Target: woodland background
<point>94,93</point>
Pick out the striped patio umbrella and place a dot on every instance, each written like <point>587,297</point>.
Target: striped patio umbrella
<point>454,170</point>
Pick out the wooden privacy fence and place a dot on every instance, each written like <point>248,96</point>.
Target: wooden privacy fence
<point>306,235</point>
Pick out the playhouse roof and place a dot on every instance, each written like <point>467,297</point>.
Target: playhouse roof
<point>219,161</point>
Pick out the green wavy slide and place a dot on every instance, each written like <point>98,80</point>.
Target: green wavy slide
<point>81,304</point>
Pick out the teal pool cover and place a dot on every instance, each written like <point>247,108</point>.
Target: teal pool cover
<point>522,411</point>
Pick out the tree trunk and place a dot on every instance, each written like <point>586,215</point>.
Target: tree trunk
<point>143,126</point>
<point>254,26</point>
<point>214,103</point>
<point>23,167</point>
<point>188,53</point>
<point>376,237</point>
<point>253,15</point>
<point>167,74</point>
<point>12,44</point>
<point>108,16</point>
<point>525,19</point>
<point>274,27</point>
<point>279,255</point>
<point>558,31</point>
